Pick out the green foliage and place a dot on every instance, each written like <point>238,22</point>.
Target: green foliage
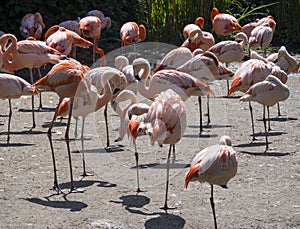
<point>164,19</point>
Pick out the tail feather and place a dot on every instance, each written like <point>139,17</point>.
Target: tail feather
<point>235,83</point>
<point>193,172</point>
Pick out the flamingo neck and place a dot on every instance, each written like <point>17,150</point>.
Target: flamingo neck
<point>104,98</point>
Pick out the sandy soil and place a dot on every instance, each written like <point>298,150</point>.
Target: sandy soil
<point>263,194</point>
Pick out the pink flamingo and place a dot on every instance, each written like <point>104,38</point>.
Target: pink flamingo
<point>251,72</point>
<point>13,87</point>
<point>82,109</point>
<point>26,54</point>
<point>132,33</point>
<point>165,122</point>
<point>216,165</point>
<point>224,24</point>
<point>66,79</point>
<point>268,93</point>
<point>90,26</point>
<point>32,25</point>
<point>199,39</point>
<point>105,21</point>
<point>247,29</point>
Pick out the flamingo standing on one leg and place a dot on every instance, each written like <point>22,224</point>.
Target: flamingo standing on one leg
<point>224,24</point>
<point>66,79</point>
<point>268,92</point>
<point>13,87</point>
<point>90,26</point>
<point>216,165</point>
<point>165,122</point>
<point>82,109</point>
<point>26,54</point>
<point>132,33</point>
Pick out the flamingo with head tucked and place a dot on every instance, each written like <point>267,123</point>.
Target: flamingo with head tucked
<point>224,24</point>
<point>216,165</point>
<point>132,33</point>
<point>165,123</point>
<point>32,25</point>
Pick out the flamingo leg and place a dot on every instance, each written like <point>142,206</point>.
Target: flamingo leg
<point>40,75</point>
<point>265,125</point>
<point>136,154</point>
<point>208,112</point>
<point>278,109</point>
<point>166,207</point>
<point>76,128</point>
<point>227,81</point>
<point>84,174</point>
<point>200,113</point>
<point>9,120</point>
<point>67,139</point>
<point>213,205</point>
<point>252,122</point>
<point>269,125</point>
<point>106,126</point>
<point>32,101</point>
<point>49,134</point>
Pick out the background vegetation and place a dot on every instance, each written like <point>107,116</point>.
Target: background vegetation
<point>164,19</point>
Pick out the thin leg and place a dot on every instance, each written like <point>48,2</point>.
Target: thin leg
<point>174,156</point>
<point>278,109</point>
<point>9,120</point>
<point>165,207</point>
<point>94,50</point>
<point>106,126</point>
<point>208,111</point>
<point>200,113</point>
<point>136,154</point>
<point>269,125</point>
<point>84,174</point>
<point>49,134</point>
<point>213,205</point>
<point>252,122</point>
<point>227,81</point>
<point>265,125</point>
<point>40,76</point>
<point>32,101</point>
<point>76,128</point>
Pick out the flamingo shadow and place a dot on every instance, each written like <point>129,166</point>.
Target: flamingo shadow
<point>266,154</point>
<point>165,221</point>
<point>24,132</point>
<point>15,144</point>
<point>162,166</point>
<point>86,183</point>
<point>73,206</point>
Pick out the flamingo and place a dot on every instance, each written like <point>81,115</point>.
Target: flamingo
<point>117,82</point>
<point>251,72</point>
<point>82,109</point>
<point>32,25</point>
<point>105,21</point>
<point>132,33</point>
<point>216,165</point>
<point>67,80</point>
<point>199,23</point>
<point>182,83</point>
<point>126,113</point>
<point>198,39</point>
<point>250,26</point>
<point>90,26</point>
<point>13,87</point>
<point>268,93</point>
<point>282,59</point>
<point>230,51</point>
<point>224,24</point>
<point>262,35</point>
<point>26,54</point>
<point>165,122</point>
<point>64,40</point>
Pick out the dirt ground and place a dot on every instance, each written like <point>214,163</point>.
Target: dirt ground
<point>263,194</point>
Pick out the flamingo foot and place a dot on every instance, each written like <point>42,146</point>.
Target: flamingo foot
<point>57,189</point>
<point>85,174</point>
<point>139,190</point>
<point>76,190</point>
<point>166,207</point>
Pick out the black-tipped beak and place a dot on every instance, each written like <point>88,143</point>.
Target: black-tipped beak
<point>137,77</point>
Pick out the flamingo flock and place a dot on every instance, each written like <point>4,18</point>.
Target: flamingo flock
<point>184,72</point>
